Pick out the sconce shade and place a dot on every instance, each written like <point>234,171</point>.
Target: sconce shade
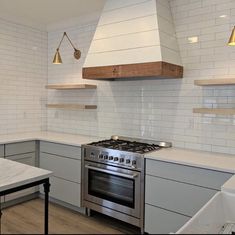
<point>232,38</point>
<point>57,58</point>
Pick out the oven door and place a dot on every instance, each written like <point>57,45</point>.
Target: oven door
<point>112,187</point>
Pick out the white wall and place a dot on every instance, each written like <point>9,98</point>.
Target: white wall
<point>156,109</point>
<point>23,75</point>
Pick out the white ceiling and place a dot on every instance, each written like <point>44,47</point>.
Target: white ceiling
<point>46,12</point>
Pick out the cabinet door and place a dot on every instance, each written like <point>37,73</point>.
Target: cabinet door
<point>28,159</point>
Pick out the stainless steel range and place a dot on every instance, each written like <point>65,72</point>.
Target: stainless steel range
<point>113,177</point>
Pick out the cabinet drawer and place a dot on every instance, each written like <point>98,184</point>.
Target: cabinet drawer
<point>175,196</point>
<point>159,221</point>
<point>1,150</point>
<point>65,191</point>
<point>18,148</point>
<point>27,158</point>
<point>68,169</point>
<point>61,149</point>
<point>192,175</point>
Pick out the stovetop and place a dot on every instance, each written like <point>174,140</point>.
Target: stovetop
<point>129,145</point>
<point>121,151</point>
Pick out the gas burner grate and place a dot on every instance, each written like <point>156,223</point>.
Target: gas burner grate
<point>125,145</point>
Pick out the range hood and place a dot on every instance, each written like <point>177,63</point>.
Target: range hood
<point>134,38</point>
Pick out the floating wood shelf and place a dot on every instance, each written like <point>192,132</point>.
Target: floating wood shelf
<point>214,82</point>
<point>214,111</point>
<point>70,86</point>
<point>71,106</point>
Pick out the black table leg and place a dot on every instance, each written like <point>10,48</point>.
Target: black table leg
<point>0,216</point>
<point>46,186</point>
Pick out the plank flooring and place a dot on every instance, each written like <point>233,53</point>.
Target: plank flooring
<point>27,218</point>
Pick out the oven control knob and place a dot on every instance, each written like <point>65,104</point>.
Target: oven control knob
<point>128,161</point>
<point>116,159</point>
<point>101,156</point>
<point>106,157</point>
<point>134,162</point>
<point>121,160</point>
<point>110,158</point>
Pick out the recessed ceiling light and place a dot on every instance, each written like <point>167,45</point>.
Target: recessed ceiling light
<point>223,16</point>
<point>193,39</point>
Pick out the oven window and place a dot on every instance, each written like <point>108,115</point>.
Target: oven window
<point>113,188</point>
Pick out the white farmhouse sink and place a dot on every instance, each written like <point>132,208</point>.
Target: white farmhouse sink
<point>211,218</point>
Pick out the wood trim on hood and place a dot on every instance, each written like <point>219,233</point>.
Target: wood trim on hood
<point>152,69</point>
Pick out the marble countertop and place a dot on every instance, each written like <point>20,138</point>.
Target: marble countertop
<point>14,174</point>
<point>207,160</point>
<point>62,138</point>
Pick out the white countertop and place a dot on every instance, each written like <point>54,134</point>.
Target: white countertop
<point>207,160</point>
<point>229,186</point>
<point>14,174</point>
<point>62,138</point>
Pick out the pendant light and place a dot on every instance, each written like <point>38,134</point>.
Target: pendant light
<point>57,58</point>
<point>232,38</point>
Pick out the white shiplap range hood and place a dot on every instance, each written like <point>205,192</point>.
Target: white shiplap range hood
<point>134,38</point>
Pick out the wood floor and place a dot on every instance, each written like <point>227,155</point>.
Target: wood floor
<point>27,218</point>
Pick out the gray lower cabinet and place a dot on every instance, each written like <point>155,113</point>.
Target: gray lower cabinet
<point>174,193</point>
<point>20,148</point>
<point>22,152</point>
<point>1,156</point>
<point>1,151</point>
<point>65,191</point>
<point>175,196</point>
<point>160,221</point>
<point>65,162</point>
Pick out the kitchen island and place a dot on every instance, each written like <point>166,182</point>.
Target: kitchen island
<point>15,177</point>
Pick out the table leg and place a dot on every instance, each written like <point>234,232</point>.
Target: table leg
<point>0,216</point>
<point>46,186</point>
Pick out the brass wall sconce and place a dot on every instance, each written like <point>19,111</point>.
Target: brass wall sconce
<point>232,38</point>
<point>57,58</point>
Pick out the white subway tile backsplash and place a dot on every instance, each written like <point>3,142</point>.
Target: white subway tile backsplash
<point>154,109</point>
<point>23,75</point>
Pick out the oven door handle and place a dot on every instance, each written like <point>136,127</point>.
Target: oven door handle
<point>111,172</point>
